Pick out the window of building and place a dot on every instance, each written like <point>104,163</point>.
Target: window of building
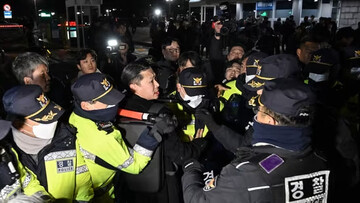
<point>309,8</point>
<point>283,9</point>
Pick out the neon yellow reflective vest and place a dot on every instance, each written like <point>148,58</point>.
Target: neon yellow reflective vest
<point>61,168</point>
<point>27,182</point>
<point>233,90</point>
<point>188,130</point>
<point>105,153</point>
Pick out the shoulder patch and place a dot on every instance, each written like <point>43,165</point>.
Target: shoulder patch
<point>271,162</point>
<point>210,185</point>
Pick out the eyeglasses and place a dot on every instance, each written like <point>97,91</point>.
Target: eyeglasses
<point>173,50</point>
<point>257,110</point>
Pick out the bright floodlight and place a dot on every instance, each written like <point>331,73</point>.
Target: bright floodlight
<point>112,42</point>
<point>157,12</point>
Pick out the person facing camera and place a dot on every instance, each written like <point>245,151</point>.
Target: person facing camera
<point>101,143</point>
<point>86,62</point>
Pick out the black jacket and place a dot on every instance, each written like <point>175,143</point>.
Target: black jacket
<point>175,153</point>
<point>261,174</point>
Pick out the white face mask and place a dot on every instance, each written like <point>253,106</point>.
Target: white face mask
<point>248,78</point>
<point>194,101</point>
<point>45,131</point>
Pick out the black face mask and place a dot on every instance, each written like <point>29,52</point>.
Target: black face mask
<point>105,115</point>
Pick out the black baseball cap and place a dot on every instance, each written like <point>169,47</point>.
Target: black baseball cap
<point>96,87</point>
<point>194,81</point>
<point>321,61</point>
<point>287,96</point>
<point>271,67</point>
<point>30,102</point>
<point>253,62</point>
<point>351,55</point>
<point>4,128</point>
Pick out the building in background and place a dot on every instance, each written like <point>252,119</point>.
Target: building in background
<point>344,13</point>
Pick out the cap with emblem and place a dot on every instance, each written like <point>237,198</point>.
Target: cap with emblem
<point>271,67</point>
<point>287,96</point>
<point>351,55</point>
<point>96,87</point>
<point>30,102</point>
<point>253,62</point>
<point>194,81</point>
<point>320,64</point>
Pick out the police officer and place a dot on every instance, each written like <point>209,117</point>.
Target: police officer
<point>192,91</point>
<point>144,90</point>
<point>280,166</point>
<point>269,68</point>
<point>17,183</point>
<point>46,146</point>
<point>236,113</point>
<point>101,143</point>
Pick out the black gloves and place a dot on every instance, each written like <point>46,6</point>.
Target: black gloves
<point>164,124</point>
<point>205,116</point>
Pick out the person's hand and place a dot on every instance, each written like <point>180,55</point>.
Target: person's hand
<point>220,89</point>
<point>164,124</point>
<point>205,116</point>
<point>199,134</point>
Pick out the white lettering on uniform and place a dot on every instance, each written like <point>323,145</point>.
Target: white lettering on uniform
<point>297,192</point>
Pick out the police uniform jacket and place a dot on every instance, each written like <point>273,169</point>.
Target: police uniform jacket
<point>61,168</point>
<point>105,153</point>
<point>16,178</point>
<point>235,112</point>
<point>262,174</point>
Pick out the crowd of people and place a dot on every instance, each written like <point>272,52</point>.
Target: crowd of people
<point>251,114</point>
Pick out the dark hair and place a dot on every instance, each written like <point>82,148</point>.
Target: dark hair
<point>194,58</point>
<point>295,121</point>
<point>344,32</point>
<point>238,44</point>
<point>306,38</point>
<point>168,41</point>
<point>131,73</point>
<point>230,63</point>
<point>25,64</point>
<point>83,53</point>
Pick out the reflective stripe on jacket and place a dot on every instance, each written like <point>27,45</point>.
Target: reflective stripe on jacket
<point>105,153</point>
<point>61,168</point>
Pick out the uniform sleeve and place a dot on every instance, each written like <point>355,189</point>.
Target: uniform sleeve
<point>84,190</point>
<point>226,187</point>
<point>178,151</point>
<point>30,184</point>
<point>111,147</point>
<point>231,140</point>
